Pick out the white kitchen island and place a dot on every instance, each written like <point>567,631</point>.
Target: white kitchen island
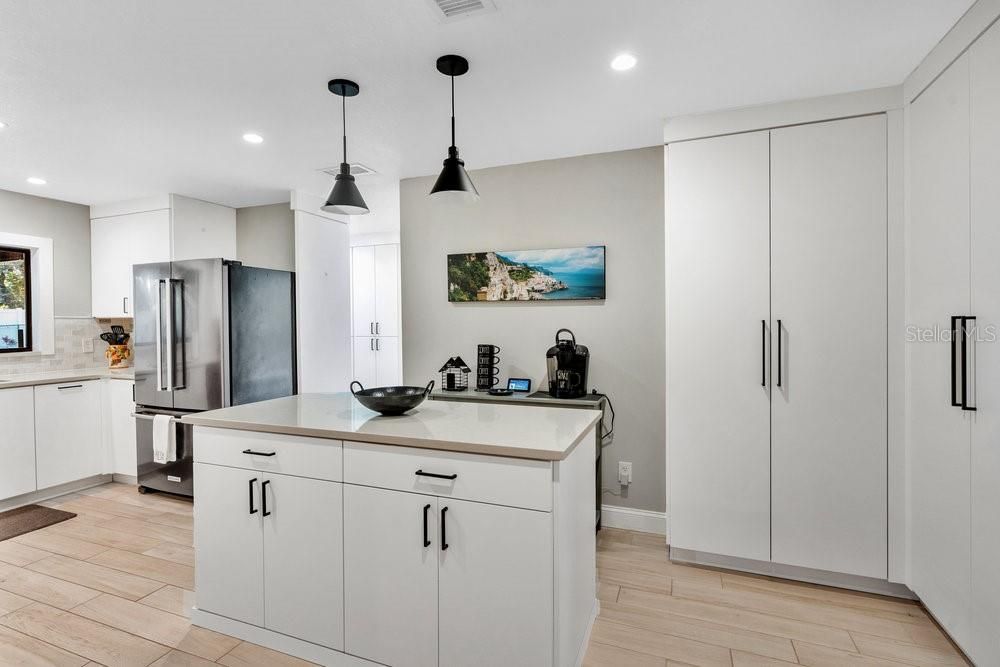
<point>457,535</point>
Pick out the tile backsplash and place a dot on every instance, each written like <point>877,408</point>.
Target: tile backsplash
<point>70,336</point>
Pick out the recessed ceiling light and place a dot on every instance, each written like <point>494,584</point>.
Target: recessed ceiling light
<point>2,125</point>
<point>623,61</point>
<point>252,138</point>
<point>34,180</point>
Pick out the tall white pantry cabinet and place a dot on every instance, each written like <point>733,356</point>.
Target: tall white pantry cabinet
<point>953,311</point>
<point>375,326</point>
<point>777,335</point>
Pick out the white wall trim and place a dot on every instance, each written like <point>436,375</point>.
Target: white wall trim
<point>977,20</point>
<point>645,521</point>
<point>782,114</point>
<point>42,290</point>
<point>310,203</point>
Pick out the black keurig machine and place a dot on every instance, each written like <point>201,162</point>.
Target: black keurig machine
<point>567,364</point>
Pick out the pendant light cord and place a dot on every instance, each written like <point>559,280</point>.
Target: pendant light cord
<point>343,109</point>
<point>453,110</point>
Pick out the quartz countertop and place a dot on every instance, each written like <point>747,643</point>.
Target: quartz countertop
<point>529,432</point>
<point>69,375</point>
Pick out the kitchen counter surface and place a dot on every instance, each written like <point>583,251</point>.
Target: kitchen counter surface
<point>530,432</point>
<point>69,375</point>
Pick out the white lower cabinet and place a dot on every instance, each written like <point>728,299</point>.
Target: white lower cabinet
<point>17,414</point>
<point>413,563</point>
<point>303,558</point>
<point>269,551</point>
<point>230,543</point>
<point>68,433</point>
<point>391,576</point>
<point>499,557</point>
<point>122,427</point>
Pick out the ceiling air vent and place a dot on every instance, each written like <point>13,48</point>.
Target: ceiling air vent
<point>453,10</point>
<point>357,169</point>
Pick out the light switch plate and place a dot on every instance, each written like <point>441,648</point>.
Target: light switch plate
<point>88,344</point>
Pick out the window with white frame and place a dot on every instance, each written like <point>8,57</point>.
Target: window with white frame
<point>15,300</point>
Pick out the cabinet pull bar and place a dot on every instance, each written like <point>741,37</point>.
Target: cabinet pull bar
<point>434,474</point>
<point>253,453</point>
<point>376,329</point>
<point>763,353</point>
<point>444,533</point>
<point>371,344</point>
<point>70,386</point>
<point>954,361</point>
<point>965,363</point>
<point>253,510</point>
<point>125,305</point>
<point>371,328</point>
<point>378,347</point>
<point>427,542</point>
<point>263,497</point>
<point>779,353</point>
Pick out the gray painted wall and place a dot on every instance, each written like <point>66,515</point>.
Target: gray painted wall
<point>68,225</point>
<point>614,199</point>
<point>265,236</point>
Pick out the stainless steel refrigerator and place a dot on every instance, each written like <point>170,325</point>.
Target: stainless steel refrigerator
<point>209,333</point>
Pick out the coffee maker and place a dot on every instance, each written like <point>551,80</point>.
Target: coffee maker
<point>567,364</point>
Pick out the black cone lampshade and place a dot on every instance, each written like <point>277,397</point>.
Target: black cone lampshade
<point>345,198</point>
<point>454,180</point>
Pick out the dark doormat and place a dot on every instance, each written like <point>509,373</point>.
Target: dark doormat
<point>28,518</point>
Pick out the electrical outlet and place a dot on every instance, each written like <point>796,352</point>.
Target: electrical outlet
<point>88,345</point>
<point>624,472</point>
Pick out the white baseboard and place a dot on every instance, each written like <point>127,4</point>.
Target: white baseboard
<point>643,521</point>
<point>53,492</point>
<point>131,480</point>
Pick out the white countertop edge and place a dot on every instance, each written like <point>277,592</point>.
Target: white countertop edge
<point>68,375</point>
<point>350,436</point>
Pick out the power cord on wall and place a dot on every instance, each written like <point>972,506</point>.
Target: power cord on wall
<point>606,437</point>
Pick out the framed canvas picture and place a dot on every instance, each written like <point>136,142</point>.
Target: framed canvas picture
<point>558,274</point>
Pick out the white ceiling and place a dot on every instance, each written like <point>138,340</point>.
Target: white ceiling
<point>118,99</point>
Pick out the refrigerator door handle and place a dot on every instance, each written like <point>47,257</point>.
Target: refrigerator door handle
<point>159,336</point>
<point>179,284</point>
<point>170,335</point>
<point>954,361</point>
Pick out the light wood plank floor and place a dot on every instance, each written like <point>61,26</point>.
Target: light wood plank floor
<point>113,587</point>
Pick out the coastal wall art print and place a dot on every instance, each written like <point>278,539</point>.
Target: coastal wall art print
<point>562,274</point>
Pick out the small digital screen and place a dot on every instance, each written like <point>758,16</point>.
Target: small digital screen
<point>519,384</point>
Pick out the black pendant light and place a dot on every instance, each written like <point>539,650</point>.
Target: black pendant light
<point>345,198</point>
<point>453,178</point>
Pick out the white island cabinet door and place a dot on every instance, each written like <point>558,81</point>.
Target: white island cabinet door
<point>391,576</point>
<point>229,579</point>
<point>303,558</point>
<point>68,442</point>
<point>496,559</point>
<point>17,452</point>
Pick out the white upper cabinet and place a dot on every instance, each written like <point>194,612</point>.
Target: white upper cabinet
<point>828,291</point>
<point>387,290</point>
<point>375,290</point>
<point>160,229</point>
<point>116,244</point>
<point>718,395</point>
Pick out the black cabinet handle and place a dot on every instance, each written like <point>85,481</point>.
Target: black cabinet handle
<point>263,497</point>
<point>253,453</point>
<point>71,386</point>
<point>434,474</point>
<point>779,353</point>
<point>253,510</point>
<point>427,542</point>
<point>444,532</point>
<point>965,363</point>
<point>763,353</point>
